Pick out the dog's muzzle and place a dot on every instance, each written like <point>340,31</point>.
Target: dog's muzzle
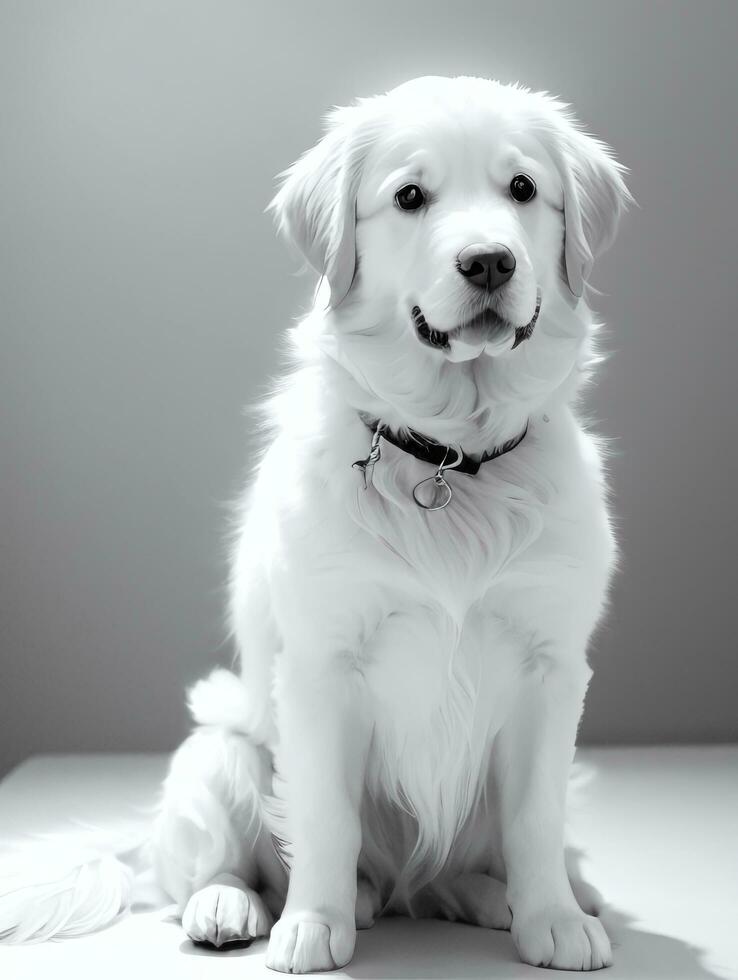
<point>488,323</point>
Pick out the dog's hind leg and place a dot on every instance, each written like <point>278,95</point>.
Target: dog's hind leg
<point>471,897</point>
<point>211,853</point>
<point>475,898</point>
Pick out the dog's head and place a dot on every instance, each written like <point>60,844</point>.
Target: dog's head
<point>458,205</point>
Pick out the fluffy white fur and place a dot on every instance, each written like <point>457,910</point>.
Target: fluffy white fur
<point>401,732</point>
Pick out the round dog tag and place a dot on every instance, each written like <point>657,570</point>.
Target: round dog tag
<point>433,493</point>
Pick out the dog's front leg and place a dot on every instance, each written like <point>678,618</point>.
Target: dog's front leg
<point>323,743</point>
<point>533,754</point>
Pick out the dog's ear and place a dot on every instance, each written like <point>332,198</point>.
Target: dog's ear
<point>595,197</point>
<point>315,208</point>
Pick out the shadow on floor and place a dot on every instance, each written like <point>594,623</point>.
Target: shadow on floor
<point>400,950</point>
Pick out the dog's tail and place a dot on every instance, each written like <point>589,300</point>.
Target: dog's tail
<point>67,885</point>
<point>78,881</point>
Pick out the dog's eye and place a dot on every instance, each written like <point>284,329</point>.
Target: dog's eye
<point>410,198</point>
<point>522,188</point>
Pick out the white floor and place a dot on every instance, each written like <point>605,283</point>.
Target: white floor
<point>657,828</point>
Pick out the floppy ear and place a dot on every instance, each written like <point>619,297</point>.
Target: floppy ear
<point>595,197</point>
<point>315,207</point>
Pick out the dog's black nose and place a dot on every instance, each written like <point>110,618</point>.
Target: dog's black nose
<point>487,266</point>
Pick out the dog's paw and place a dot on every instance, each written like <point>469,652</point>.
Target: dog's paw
<point>220,914</point>
<point>306,942</point>
<point>563,939</point>
<point>480,900</point>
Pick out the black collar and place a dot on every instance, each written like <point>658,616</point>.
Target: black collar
<point>430,451</point>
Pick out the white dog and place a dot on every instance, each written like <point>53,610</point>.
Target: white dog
<point>424,550</point>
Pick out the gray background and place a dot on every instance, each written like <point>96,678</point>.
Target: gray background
<point>142,296</point>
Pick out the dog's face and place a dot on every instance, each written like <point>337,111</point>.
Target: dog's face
<point>459,224</point>
<point>459,205</point>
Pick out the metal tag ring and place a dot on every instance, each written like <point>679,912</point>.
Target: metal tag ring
<point>442,493</point>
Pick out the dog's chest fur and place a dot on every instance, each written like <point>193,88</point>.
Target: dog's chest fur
<point>459,607</point>
<point>440,616</point>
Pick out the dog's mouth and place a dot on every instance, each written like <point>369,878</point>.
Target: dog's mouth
<point>484,326</point>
